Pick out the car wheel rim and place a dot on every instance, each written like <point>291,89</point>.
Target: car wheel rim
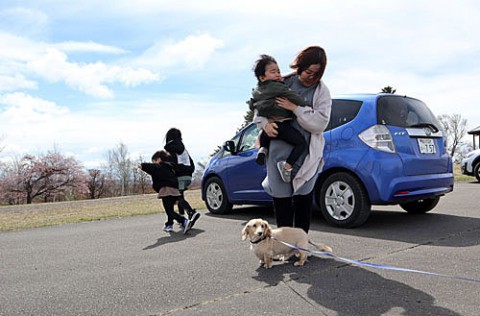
<point>339,200</point>
<point>214,196</point>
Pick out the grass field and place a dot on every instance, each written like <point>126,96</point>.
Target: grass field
<point>457,173</point>
<point>47,214</point>
<point>19,217</point>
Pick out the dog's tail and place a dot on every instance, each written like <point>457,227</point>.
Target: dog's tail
<point>320,246</point>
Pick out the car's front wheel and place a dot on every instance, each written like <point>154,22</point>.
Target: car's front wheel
<point>420,206</point>
<point>344,201</point>
<point>216,196</point>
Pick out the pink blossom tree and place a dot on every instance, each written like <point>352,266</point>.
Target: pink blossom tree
<point>51,176</point>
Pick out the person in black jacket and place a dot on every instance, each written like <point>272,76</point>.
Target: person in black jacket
<point>184,167</point>
<point>165,183</point>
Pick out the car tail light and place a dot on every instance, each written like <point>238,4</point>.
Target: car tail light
<point>378,137</point>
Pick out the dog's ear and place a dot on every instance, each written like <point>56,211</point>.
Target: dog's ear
<point>268,229</point>
<point>245,232</point>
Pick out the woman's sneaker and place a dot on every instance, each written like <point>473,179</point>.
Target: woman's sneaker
<point>286,174</point>
<point>168,228</point>
<point>262,156</point>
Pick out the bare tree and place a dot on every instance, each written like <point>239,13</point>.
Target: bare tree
<point>197,175</point>
<point>142,182</point>
<point>121,166</point>
<point>2,147</point>
<point>455,127</point>
<point>96,183</point>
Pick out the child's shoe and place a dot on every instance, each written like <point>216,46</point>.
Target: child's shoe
<point>262,156</point>
<point>168,228</point>
<point>193,217</point>
<point>286,174</point>
<point>187,224</point>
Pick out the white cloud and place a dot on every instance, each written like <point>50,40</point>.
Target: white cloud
<point>193,52</point>
<point>72,46</point>
<point>33,125</point>
<point>27,120</point>
<point>20,108</point>
<point>15,82</point>
<point>24,62</point>
<point>26,21</point>
<point>17,48</point>
<point>90,78</point>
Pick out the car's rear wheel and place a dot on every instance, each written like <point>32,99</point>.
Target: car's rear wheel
<point>344,201</point>
<point>216,197</point>
<point>476,171</point>
<point>420,206</point>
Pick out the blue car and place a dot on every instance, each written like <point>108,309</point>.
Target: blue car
<point>381,149</point>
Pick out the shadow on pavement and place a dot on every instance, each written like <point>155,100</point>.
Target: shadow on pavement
<point>351,290</point>
<point>400,226</point>
<point>431,228</point>
<point>174,237</point>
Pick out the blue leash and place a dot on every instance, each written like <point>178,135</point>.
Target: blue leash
<point>373,265</point>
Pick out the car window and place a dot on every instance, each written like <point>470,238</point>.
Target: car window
<point>343,111</point>
<point>404,112</point>
<point>249,138</point>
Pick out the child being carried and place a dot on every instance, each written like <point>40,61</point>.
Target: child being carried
<point>270,86</point>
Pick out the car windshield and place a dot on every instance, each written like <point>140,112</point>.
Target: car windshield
<point>405,112</point>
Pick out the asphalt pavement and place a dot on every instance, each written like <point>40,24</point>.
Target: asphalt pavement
<point>131,267</point>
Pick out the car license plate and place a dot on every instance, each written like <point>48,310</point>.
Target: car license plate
<point>426,145</point>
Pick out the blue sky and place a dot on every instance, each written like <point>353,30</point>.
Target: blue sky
<point>83,76</point>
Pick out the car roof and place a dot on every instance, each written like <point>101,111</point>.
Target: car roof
<point>364,96</point>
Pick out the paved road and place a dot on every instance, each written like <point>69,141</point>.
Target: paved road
<point>131,267</point>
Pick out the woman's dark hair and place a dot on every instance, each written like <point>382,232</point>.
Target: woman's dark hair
<point>173,134</point>
<point>261,64</point>
<point>162,154</point>
<point>311,55</point>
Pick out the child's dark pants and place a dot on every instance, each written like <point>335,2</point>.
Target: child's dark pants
<point>168,205</point>
<point>289,134</point>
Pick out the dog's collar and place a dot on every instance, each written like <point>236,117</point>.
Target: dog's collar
<point>258,240</point>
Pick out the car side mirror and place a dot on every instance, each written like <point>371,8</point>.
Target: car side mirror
<point>230,146</point>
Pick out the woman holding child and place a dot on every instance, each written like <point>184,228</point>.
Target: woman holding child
<point>293,201</point>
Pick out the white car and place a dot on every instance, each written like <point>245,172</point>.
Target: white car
<point>471,164</point>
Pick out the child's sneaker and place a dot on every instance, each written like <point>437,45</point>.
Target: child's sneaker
<point>193,218</point>
<point>168,228</point>
<point>262,156</point>
<point>187,224</point>
<point>286,174</point>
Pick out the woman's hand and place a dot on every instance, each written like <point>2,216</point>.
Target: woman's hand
<point>286,104</point>
<point>271,129</point>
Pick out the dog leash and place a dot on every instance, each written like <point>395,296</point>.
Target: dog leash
<point>374,265</point>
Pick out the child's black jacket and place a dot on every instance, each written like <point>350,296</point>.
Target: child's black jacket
<point>162,175</point>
